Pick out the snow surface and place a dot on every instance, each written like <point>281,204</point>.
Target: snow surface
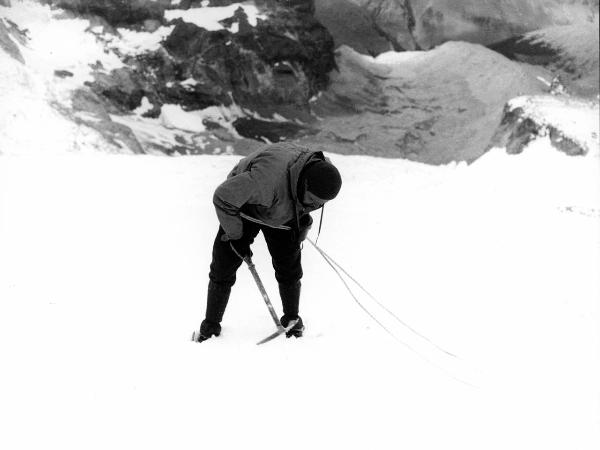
<point>173,116</point>
<point>104,263</point>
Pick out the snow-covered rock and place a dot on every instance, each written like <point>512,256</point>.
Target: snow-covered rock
<point>573,126</point>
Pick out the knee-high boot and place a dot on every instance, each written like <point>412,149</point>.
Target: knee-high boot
<point>290,299</point>
<point>216,301</point>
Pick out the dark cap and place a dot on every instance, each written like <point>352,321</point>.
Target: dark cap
<point>322,179</point>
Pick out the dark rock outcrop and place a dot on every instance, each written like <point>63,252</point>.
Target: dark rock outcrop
<point>519,48</point>
<point>272,68</point>
<point>91,110</point>
<point>63,74</point>
<point>276,66</point>
<point>122,87</point>
<point>369,26</point>
<point>264,131</point>
<point>352,25</point>
<point>515,131</point>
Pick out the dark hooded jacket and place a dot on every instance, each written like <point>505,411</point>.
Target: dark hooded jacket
<point>263,187</point>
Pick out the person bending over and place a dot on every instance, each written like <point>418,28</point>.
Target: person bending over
<point>273,190</point>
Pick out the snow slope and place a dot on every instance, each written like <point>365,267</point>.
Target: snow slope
<point>30,93</point>
<point>27,121</point>
<point>104,262</point>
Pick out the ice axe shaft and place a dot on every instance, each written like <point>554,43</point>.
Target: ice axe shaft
<point>280,328</point>
<point>262,290</point>
<point>261,287</point>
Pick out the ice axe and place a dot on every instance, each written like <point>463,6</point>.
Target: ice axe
<point>280,328</point>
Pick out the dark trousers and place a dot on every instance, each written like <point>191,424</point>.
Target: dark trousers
<point>283,246</point>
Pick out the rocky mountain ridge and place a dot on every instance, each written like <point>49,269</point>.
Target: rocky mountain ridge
<point>424,24</point>
<point>209,77</point>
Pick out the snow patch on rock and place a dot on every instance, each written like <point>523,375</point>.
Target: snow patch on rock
<point>132,42</point>
<point>209,18</point>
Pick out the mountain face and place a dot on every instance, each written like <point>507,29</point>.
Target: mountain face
<point>489,21</point>
<point>189,77</point>
<point>277,64</point>
<point>435,107</point>
<point>369,26</point>
<point>272,66</point>
<point>423,24</point>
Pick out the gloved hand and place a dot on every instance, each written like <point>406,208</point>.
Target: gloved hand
<point>305,223</point>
